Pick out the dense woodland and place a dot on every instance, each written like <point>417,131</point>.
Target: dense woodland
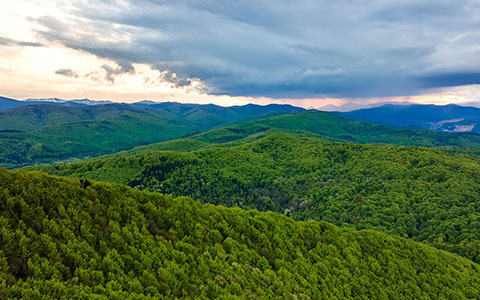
<point>324,125</point>
<point>51,134</point>
<point>129,239</point>
<point>46,138</point>
<point>420,193</point>
<point>349,195</point>
<point>78,239</point>
<point>333,127</point>
<point>48,133</point>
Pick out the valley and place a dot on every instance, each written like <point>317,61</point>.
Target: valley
<point>234,150</point>
<point>307,200</point>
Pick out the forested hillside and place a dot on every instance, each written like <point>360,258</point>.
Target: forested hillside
<point>325,125</point>
<point>48,133</point>
<point>78,239</point>
<point>420,193</point>
<point>210,115</point>
<point>331,126</point>
<point>52,133</point>
<point>34,117</point>
<point>88,138</point>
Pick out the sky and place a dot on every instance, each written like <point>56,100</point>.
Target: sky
<point>304,52</point>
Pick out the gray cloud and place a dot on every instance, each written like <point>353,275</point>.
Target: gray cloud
<point>10,42</point>
<point>279,48</point>
<point>111,73</point>
<point>67,73</point>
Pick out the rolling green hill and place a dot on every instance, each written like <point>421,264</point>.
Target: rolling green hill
<point>210,115</point>
<point>104,129</point>
<point>420,193</point>
<point>88,138</point>
<point>76,239</point>
<point>320,124</point>
<point>33,117</point>
<point>48,133</point>
<point>334,127</point>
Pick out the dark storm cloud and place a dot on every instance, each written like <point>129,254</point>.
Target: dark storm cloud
<point>345,48</point>
<point>451,79</point>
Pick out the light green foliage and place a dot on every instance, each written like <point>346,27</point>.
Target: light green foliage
<point>420,193</point>
<point>320,124</point>
<point>127,127</point>
<point>76,239</point>
<point>334,127</point>
<point>123,130</point>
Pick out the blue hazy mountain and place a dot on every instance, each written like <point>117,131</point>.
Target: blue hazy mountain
<point>215,115</point>
<point>9,103</point>
<point>451,117</point>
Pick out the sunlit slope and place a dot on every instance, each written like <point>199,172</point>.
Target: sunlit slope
<point>47,133</point>
<point>63,238</point>
<point>329,125</point>
<point>34,117</point>
<point>317,124</point>
<point>416,192</point>
<point>88,138</point>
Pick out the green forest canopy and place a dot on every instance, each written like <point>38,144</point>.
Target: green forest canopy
<point>78,239</point>
<point>333,127</point>
<point>47,133</point>
<point>420,193</point>
<point>127,127</point>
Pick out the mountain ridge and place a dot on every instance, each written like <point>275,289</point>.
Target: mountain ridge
<point>49,132</point>
<point>421,193</point>
<point>450,117</point>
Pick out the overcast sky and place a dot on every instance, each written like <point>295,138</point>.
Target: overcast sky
<point>307,52</point>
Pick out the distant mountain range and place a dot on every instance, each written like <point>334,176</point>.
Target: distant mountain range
<point>53,131</point>
<point>324,125</point>
<point>350,106</point>
<point>42,112</point>
<point>214,115</point>
<point>210,113</point>
<point>449,118</point>
<point>8,103</point>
